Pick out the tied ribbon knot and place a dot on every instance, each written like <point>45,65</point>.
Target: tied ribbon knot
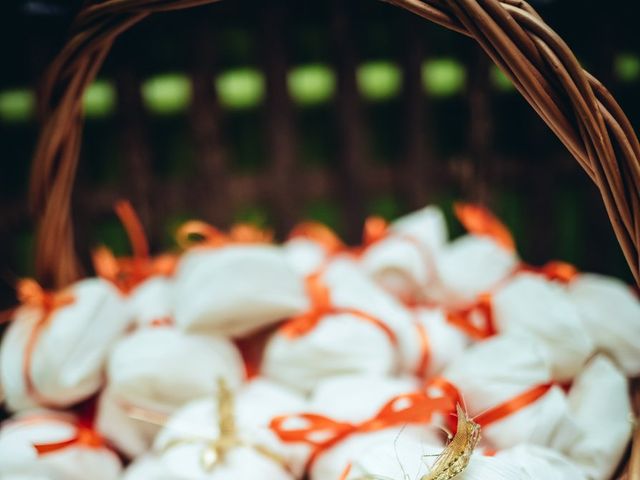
<point>195,233</point>
<point>30,294</point>
<point>126,273</point>
<point>477,321</point>
<point>321,306</point>
<point>322,433</point>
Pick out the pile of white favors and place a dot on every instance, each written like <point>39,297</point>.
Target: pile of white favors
<point>240,358</point>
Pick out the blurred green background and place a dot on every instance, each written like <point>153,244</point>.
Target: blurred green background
<point>481,141</point>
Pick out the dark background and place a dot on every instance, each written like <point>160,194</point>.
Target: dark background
<point>475,138</point>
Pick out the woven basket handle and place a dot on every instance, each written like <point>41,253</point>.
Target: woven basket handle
<point>580,111</point>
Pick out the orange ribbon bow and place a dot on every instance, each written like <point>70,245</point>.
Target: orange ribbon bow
<point>31,294</point>
<point>129,272</point>
<point>321,306</point>
<point>322,432</point>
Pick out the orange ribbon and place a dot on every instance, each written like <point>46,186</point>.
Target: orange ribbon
<point>322,433</point>
<point>513,405</point>
<point>321,234</point>
<point>478,220</point>
<point>425,350</point>
<point>31,294</point>
<point>195,233</point>
<point>129,272</point>
<point>346,472</point>
<point>496,413</point>
<point>84,437</point>
<point>562,272</point>
<point>321,306</point>
<point>476,321</point>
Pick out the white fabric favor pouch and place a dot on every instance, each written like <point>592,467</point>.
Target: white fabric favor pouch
<point>600,405</point>
<point>403,261</point>
<point>235,290</point>
<point>162,368</point>
<point>54,351</point>
<point>511,370</point>
<point>351,327</point>
<point>224,437</point>
<point>468,267</point>
<point>52,446</point>
<point>532,305</point>
<point>610,310</point>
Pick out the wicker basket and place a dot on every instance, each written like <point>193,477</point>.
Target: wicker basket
<point>575,105</point>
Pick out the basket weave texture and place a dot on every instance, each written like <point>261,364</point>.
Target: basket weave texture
<point>574,104</point>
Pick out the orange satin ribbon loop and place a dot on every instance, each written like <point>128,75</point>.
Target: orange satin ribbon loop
<point>496,413</point>
<point>345,472</point>
<point>476,321</point>
<point>450,391</point>
<point>31,294</point>
<point>211,237</point>
<point>133,226</point>
<point>512,406</point>
<point>322,432</point>
<point>84,438</point>
<point>375,229</point>
<point>425,350</point>
<point>319,233</point>
<point>562,272</point>
<point>478,220</point>
<point>321,306</point>
<point>128,272</point>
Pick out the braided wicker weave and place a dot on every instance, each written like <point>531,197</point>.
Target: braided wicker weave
<point>575,105</point>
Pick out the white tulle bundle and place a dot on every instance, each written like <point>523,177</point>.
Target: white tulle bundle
<point>46,445</point>
<point>502,369</point>
<point>403,261</point>
<point>56,357</point>
<point>600,405</point>
<point>162,368</point>
<point>235,290</point>
<point>358,329</point>
<point>188,440</point>
<point>532,305</point>
<point>610,310</point>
